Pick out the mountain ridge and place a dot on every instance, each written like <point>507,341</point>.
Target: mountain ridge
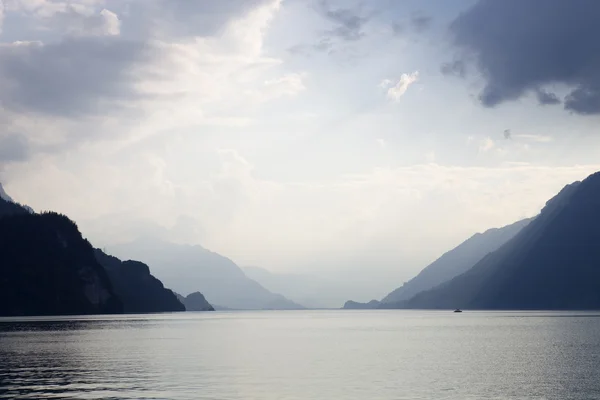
<point>192,268</point>
<point>456,261</point>
<point>550,264</point>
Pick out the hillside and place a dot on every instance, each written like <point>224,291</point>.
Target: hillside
<point>456,261</point>
<point>139,291</point>
<point>48,268</point>
<point>553,263</point>
<point>188,269</point>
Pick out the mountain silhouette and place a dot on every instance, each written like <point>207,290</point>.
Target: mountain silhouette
<point>139,291</point>
<point>456,261</point>
<point>48,268</point>
<point>195,302</point>
<point>188,269</point>
<point>552,263</point>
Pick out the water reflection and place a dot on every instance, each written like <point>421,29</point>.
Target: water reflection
<point>69,358</point>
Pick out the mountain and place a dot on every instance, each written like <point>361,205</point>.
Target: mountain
<point>195,302</point>
<point>48,268</point>
<point>139,291</point>
<point>10,203</point>
<point>456,261</point>
<point>552,263</point>
<point>354,305</point>
<point>189,269</point>
<point>4,196</point>
<point>308,290</point>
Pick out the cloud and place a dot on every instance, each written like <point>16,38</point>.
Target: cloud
<point>348,22</point>
<point>13,147</point>
<point>521,47</point>
<point>80,22</point>
<point>248,215</point>
<point>418,23</point>
<point>508,134</point>
<point>1,16</point>
<point>456,68</point>
<point>287,85</point>
<point>73,77</point>
<point>184,18</point>
<point>547,98</point>
<point>486,145</point>
<point>396,90</point>
<point>534,138</point>
<point>430,157</point>
<point>83,81</point>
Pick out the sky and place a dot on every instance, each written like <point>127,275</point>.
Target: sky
<point>353,139</point>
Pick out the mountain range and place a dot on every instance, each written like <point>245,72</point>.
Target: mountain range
<point>451,264</point>
<point>552,263</point>
<point>48,268</point>
<point>547,262</point>
<point>456,261</point>
<point>309,290</point>
<point>191,268</point>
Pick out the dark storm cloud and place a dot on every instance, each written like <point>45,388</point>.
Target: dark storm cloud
<point>520,46</point>
<point>547,98</point>
<point>75,77</point>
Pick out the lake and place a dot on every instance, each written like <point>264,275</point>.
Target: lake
<point>303,355</point>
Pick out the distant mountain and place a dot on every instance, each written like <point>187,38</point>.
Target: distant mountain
<point>139,291</point>
<point>308,290</point>
<point>48,268</point>
<point>195,302</point>
<point>552,263</point>
<point>353,305</point>
<point>456,261</point>
<point>188,269</point>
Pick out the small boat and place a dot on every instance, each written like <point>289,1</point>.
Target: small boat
<point>458,310</point>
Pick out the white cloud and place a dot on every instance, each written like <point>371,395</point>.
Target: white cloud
<point>534,138</point>
<point>399,88</point>
<point>381,142</point>
<point>430,157</point>
<point>286,85</point>
<point>1,16</point>
<point>386,83</point>
<point>486,145</point>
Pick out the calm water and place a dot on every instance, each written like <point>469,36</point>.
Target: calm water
<point>304,355</point>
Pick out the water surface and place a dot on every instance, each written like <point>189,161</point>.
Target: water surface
<point>303,355</point>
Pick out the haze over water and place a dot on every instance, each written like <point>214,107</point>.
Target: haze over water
<point>303,355</point>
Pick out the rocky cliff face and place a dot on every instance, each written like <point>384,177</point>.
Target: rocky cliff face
<point>139,291</point>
